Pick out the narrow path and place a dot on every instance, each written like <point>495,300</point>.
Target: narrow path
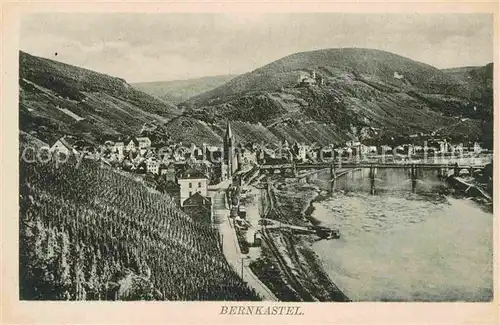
<point>231,248</point>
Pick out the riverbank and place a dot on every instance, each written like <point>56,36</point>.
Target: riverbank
<point>394,246</point>
<point>469,187</point>
<point>287,263</point>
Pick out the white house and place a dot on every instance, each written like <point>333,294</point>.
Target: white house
<point>192,181</point>
<point>459,149</point>
<point>249,157</point>
<point>152,165</point>
<point>302,152</point>
<point>118,148</point>
<point>477,147</point>
<point>269,152</point>
<point>144,142</point>
<point>443,146</point>
<point>364,149</point>
<point>132,144</point>
<point>386,149</point>
<point>196,152</point>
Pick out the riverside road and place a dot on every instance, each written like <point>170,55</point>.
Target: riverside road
<point>230,245</point>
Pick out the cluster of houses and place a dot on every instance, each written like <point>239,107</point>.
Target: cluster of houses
<point>300,152</point>
<point>184,172</point>
<point>444,147</point>
<point>137,154</point>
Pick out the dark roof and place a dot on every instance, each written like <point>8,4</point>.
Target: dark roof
<point>67,142</point>
<point>127,141</point>
<point>167,165</point>
<point>197,199</point>
<point>171,185</point>
<point>192,173</point>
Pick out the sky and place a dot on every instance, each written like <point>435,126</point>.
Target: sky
<point>161,47</point>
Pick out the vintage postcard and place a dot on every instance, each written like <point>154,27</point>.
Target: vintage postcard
<point>233,163</point>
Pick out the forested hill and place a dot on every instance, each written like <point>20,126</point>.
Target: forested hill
<point>95,234</point>
<point>57,99</point>
<point>356,93</point>
<point>362,93</point>
<point>356,63</point>
<point>477,81</point>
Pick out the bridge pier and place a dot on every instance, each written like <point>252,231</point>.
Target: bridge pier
<point>373,172</point>
<point>414,176</point>
<point>442,174</point>
<point>333,178</point>
<point>471,171</point>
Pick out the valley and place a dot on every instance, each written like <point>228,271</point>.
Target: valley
<point>162,190</point>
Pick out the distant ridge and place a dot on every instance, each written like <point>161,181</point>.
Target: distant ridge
<point>181,90</point>
<point>357,93</point>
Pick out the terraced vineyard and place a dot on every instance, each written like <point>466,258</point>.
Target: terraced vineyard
<point>89,233</point>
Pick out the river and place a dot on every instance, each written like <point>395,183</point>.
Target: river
<point>402,246</point>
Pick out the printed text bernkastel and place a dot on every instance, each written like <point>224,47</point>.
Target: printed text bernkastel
<point>261,310</point>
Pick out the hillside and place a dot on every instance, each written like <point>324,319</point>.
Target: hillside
<point>95,234</point>
<point>179,91</point>
<point>374,65</point>
<point>57,98</point>
<point>477,80</point>
<point>459,71</point>
<point>479,84</point>
<point>364,92</point>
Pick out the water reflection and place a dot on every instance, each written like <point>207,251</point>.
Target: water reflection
<point>395,182</point>
<point>398,245</point>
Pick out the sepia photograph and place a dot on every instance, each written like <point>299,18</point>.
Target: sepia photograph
<point>273,156</point>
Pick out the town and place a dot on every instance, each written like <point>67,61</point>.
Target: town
<point>185,172</point>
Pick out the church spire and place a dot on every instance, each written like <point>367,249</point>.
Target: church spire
<point>229,133</point>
